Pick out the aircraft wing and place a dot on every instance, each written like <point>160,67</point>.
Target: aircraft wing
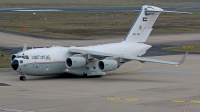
<point>77,51</point>
<point>92,54</point>
<point>155,60</point>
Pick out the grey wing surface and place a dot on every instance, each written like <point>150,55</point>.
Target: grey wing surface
<point>127,58</point>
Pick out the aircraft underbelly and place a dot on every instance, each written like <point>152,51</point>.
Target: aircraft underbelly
<point>45,69</point>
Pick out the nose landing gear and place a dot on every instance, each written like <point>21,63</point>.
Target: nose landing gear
<point>22,78</point>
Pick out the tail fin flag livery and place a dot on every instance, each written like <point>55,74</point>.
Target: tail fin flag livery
<point>93,60</point>
<point>142,27</point>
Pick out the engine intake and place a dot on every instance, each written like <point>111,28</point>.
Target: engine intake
<point>75,62</point>
<point>108,65</point>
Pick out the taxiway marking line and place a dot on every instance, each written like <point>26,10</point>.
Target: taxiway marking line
<point>140,65</point>
<point>116,106</point>
<point>178,101</point>
<point>175,68</point>
<point>108,98</point>
<point>186,67</point>
<point>113,98</point>
<point>185,108</point>
<point>195,101</point>
<point>132,99</point>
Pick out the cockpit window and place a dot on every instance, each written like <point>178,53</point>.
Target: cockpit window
<point>19,57</point>
<point>26,57</point>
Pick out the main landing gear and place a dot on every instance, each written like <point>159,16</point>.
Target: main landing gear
<point>22,78</point>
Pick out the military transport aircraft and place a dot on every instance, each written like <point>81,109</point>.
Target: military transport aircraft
<point>92,60</point>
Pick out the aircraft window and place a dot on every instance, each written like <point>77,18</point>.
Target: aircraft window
<point>27,57</point>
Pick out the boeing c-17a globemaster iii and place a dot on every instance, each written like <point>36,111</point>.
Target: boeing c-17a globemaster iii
<point>92,60</point>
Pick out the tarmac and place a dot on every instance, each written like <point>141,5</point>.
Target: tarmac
<point>56,9</point>
<point>135,86</point>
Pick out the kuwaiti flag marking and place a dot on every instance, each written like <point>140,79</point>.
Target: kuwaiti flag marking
<point>144,18</point>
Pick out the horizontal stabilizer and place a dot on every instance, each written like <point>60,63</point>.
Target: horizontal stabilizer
<point>164,11</point>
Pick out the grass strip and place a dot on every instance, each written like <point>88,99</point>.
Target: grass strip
<point>93,24</point>
<point>93,3</point>
<point>4,60</point>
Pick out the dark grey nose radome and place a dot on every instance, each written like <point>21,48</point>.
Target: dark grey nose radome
<point>13,57</point>
<point>15,64</point>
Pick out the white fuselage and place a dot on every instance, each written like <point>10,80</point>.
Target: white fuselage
<point>92,60</point>
<point>51,61</point>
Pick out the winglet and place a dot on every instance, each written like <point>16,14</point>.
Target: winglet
<point>25,47</point>
<point>183,59</point>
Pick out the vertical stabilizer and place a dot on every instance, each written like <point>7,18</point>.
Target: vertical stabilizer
<point>25,47</point>
<point>142,27</point>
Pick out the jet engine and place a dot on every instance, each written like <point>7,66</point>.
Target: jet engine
<point>107,65</point>
<point>75,62</point>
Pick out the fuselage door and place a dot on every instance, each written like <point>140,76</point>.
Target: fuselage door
<point>41,69</point>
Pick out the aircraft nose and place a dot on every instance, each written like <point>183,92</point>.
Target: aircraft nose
<point>15,64</point>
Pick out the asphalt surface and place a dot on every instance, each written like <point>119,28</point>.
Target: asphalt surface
<point>13,42</point>
<point>94,9</point>
<point>135,86</point>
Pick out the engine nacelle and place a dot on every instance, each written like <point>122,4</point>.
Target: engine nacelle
<point>75,62</point>
<point>107,65</point>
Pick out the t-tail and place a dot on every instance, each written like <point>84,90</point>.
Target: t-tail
<point>142,27</point>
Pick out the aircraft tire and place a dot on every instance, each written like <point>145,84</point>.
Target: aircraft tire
<point>99,76</point>
<point>22,78</point>
<point>85,75</point>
